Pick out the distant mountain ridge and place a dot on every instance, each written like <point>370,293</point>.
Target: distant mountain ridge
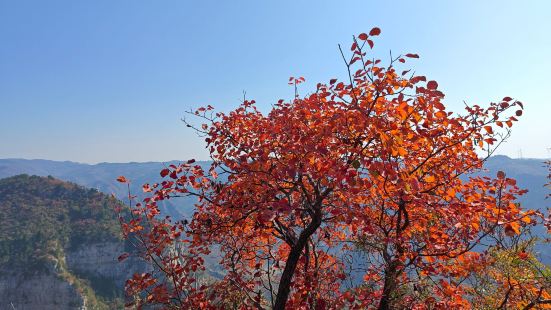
<point>101,176</point>
<point>530,174</point>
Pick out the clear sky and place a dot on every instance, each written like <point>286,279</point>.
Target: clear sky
<point>94,81</point>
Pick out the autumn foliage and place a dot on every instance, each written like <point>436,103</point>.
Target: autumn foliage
<point>360,195</point>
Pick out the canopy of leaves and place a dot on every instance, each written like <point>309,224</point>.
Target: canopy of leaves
<point>371,164</point>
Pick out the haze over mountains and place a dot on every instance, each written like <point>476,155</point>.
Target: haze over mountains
<point>80,281</point>
<point>102,177</point>
<point>530,174</point>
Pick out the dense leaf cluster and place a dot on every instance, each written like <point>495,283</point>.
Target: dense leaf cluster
<point>375,165</point>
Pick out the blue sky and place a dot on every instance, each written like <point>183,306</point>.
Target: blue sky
<point>95,81</point>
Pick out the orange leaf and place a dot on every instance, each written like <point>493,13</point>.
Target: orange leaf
<point>512,229</point>
<point>523,255</point>
<point>451,192</point>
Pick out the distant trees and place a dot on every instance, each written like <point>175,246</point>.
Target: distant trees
<point>349,197</point>
<point>511,276</point>
<point>40,215</point>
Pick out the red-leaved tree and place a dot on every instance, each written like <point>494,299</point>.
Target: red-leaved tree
<point>360,195</point>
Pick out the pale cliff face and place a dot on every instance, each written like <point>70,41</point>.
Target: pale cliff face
<point>101,260</point>
<point>57,289</point>
<point>39,291</point>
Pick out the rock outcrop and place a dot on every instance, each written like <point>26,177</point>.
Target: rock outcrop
<point>22,291</point>
<point>71,282</point>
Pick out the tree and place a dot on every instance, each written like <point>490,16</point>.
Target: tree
<point>512,276</point>
<point>373,163</point>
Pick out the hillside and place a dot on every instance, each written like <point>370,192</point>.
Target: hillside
<point>530,173</point>
<point>100,176</point>
<point>58,246</point>
<point>59,241</point>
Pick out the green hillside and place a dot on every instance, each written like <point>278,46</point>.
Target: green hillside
<point>42,222</point>
<point>103,177</point>
<point>37,213</point>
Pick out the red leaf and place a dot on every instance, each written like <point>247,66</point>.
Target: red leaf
<point>332,81</point>
<point>412,55</point>
<point>164,172</point>
<point>362,36</point>
<point>432,85</point>
<point>518,112</point>
<point>507,99</point>
<point>122,179</point>
<point>375,31</point>
<point>417,79</point>
<point>123,256</point>
<point>370,43</point>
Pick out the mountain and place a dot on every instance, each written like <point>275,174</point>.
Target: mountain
<point>530,174</point>
<point>102,177</point>
<point>59,241</point>
<point>59,244</point>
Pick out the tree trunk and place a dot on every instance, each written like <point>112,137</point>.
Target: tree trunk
<point>391,275</point>
<point>284,287</point>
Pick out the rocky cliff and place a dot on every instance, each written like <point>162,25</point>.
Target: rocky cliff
<point>87,277</point>
<point>59,246</point>
<point>38,291</point>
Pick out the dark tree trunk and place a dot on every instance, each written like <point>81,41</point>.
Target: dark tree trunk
<point>393,269</point>
<point>284,287</point>
<point>391,275</point>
